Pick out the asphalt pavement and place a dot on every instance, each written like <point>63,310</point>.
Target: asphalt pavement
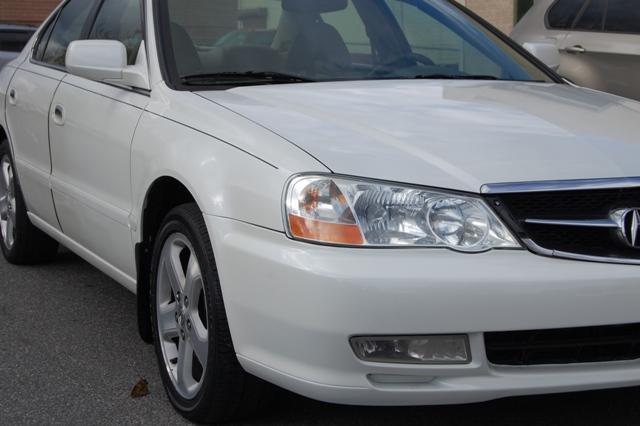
<point>70,354</point>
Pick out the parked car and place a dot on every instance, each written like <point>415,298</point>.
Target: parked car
<point>12,39</point>
<point>394,204</point>
<point>598,40</point>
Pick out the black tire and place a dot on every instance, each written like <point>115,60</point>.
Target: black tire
<point>227,392</point>
<point>30,245</point>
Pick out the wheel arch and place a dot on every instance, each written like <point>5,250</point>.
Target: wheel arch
<point>4,138</point>
<point>164,194</point>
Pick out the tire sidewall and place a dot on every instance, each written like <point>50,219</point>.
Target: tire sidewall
<point>177,223</point>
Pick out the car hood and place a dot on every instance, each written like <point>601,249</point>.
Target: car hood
<point>451,134</point>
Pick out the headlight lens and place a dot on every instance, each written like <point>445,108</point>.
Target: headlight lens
<point>336,210</point>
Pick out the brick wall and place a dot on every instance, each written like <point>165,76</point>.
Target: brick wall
<point>501,13</point>
<point>31,12</point>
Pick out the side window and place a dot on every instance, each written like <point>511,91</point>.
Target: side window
<point>593,17</point>
<point>120,20</point>
<point>68,27</point>
<point>43,38</point>
<point>623,16</point>
<point>563,13</point>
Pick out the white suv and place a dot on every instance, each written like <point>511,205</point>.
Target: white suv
<point>598,40</point>
<point>390,204</point>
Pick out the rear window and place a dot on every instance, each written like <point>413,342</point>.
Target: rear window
<point>14,41</point>
<point>563,13</point>
<point>623,16</point>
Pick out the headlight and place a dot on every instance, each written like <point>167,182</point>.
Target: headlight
<point>337,210</point>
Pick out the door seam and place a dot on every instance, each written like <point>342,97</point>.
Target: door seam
<point>53,199</point>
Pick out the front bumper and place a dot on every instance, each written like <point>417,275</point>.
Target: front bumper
<point>293,306</point>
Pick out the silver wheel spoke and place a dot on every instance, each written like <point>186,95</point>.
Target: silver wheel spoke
<point>185,365</point>
<point>184,337</point>
<point>10,182</point>
<point>4,207</point>
<point>198,326</point>
<point>10,232</point>
<point>174,272</point>
<point>6,166</point>
<point>167,319</point>
<point>11,215</point>
<point>200,340</point>
<point>193,279</point>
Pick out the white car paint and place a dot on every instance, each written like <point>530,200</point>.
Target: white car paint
<point>334,294</point>
<point>292,306</point>
<point>90,154</point>
<point>417,132</point>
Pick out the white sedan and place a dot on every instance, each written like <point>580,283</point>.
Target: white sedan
<point>390,204</point>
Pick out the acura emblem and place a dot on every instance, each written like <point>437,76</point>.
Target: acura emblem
<point>629,224</point>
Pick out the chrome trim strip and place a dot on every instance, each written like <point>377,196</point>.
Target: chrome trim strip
<point>596,223</point>
<point>560,185</point>
<point>573,256</point>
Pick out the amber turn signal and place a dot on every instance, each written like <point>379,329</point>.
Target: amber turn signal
<point>333,233</point>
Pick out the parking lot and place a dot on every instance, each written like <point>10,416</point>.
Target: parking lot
<point>70,355</point>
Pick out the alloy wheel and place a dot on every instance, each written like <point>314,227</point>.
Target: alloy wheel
<point>182,315</point>
<point>7,202</point>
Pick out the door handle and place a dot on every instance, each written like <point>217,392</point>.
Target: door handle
<point>576,49</point>
<point>58,115</point>
<point>12,96</point>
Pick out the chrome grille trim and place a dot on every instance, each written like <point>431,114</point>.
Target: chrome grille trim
<point>559,185</point>
<point>596,223</point>
<point>495,191</point>
<point>573,256</point>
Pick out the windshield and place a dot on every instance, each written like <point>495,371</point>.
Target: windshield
<point>240,42</point>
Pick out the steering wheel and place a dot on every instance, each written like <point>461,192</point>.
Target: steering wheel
<point>406,61</point>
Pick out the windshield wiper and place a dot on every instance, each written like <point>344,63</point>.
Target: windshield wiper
<point>454,77</point>
<point>244,77</point>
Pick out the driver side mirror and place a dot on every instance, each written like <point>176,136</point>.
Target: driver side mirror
<point>545,51</point>
<point>106,61</point>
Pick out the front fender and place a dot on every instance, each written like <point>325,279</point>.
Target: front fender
<point>224,180</point>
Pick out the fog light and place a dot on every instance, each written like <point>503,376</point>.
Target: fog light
<point>437,349</point>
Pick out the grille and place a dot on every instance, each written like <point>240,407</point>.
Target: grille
<point>564,346</point>
<point>577,205</point>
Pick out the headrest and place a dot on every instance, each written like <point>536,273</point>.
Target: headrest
<point>314,6</point>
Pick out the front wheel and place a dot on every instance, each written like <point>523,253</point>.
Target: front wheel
<point>198,363</point>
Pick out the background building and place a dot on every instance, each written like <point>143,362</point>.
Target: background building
<point>502,13</point>
<point>31,12</point>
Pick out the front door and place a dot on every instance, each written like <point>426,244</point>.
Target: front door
<point>91,128</point>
